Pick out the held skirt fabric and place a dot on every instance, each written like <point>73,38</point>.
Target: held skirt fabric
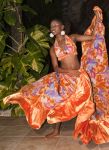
<point>40,100</point>
<point>95,62</point>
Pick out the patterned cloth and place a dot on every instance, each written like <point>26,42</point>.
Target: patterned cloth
<point>41,100</point>
<point>69,48</point>
<point>95,62</point>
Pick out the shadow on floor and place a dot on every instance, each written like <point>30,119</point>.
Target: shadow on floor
<point>15,134</point>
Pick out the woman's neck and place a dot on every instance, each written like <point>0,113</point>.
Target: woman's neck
<point>60,37</point>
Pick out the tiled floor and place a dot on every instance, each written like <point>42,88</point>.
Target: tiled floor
<point>15,134</point>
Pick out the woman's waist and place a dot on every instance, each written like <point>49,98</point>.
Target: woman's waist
<point>70,66</point>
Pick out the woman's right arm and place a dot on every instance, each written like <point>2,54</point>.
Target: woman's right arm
<point>54,59</point>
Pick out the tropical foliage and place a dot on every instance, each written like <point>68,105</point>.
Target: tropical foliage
<point>26,62</point>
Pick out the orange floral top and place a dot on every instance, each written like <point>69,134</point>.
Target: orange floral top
<point>69,48</point>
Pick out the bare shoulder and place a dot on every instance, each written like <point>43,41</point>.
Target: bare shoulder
<point>52,52</point>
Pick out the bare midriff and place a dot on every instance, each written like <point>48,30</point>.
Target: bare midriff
<point>70,62</point>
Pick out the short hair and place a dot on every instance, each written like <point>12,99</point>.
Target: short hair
<point>58,20</point>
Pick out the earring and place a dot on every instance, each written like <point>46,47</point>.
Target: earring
<point>62,32</point>
<point>51,35</point>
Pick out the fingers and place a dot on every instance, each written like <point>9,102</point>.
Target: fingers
<point>96,8</point>
<point>98,13</point>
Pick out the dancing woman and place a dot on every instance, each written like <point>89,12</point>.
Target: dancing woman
<point>62,94</point>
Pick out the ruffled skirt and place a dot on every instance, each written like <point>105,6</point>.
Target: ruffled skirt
<point>40,100</point>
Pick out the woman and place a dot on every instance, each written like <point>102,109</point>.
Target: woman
<point>63,94</point>
<point>66,55</point>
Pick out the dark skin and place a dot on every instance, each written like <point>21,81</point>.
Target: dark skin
<point>70,64</point>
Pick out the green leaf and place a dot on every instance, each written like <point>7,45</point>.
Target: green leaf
<point>40,40</point>
<point>45,70</point>
<point>40,31</point>
<point>10,18</point>
<point>2,41</point>
<point>26,8</point>
<point>34,65</point>
<point>44,44</point>
<point>7,64</point>
<point>34,74</point>
<point>3,106</point>
<point>20,67</point>
<point>4,90</point>
<point>1,15</point>
<point>17,111</point>
<point>2,5</point>
<point>17,1</point>
<point>44,51</point>
<point>48,1</point>
<point>31,79</point>
<point>21,28</point>
<point>40,67</point>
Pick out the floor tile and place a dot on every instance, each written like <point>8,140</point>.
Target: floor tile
<point>16,134</point>
<point>8,121</point>
<point>17,131</point>
<point>104,146</point>
<point>66,131</point>
<point>67,143</point>
<point>40,132</point>
<point>35,143</point>
<point>9,143</point>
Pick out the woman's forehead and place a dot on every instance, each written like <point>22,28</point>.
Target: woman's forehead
<point>56,22</point>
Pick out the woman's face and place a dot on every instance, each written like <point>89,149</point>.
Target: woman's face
<point>56,27</point>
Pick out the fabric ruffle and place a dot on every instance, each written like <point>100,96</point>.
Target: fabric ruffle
<point>40,100</point>
<point>95,62</point>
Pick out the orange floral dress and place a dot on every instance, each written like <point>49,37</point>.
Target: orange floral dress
<point>40,100</point>
<point>95,61</point>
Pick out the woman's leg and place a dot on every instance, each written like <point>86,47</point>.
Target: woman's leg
<point>56,130</point>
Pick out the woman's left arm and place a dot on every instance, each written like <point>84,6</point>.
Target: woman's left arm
<point>81,38</point>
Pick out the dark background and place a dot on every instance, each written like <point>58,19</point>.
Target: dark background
<point>76,14</point>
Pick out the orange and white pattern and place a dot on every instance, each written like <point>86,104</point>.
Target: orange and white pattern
<point>40,100</point>
<point>95,62</point>
<point>69,48</point>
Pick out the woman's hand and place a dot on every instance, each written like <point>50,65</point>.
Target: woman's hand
<point>98,19</point>
<point>98,14</point>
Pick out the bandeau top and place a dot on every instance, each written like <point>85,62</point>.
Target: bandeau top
<point>69,48</point>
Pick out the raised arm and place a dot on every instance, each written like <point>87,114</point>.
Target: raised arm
<point>82,38</point>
